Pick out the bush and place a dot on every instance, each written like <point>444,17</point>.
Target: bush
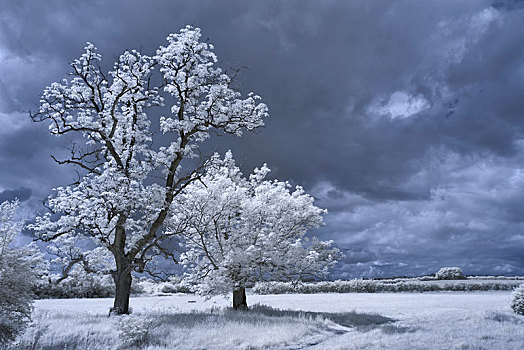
<point>19,269</point>
<point>384,286</point>
<point>133,330</point>
<point>173,285</point>
<point>450,273</point>
<point>80,284</point>
<point>16,297</point>
<point>517,304</point>
<point>77,285</point>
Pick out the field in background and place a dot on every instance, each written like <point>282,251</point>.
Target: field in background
<point>96,286</point>
<point>444,320</point>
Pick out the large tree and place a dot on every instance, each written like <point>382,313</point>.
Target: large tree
<point>129,178</point>
<point>242,230</point>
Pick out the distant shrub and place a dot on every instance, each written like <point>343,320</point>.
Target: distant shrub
<point>88,285</point>
<point>450,273</point>
<point>77,285</point>
<point>173,285</point>
<point>383,286</point>
<point>517,304</point>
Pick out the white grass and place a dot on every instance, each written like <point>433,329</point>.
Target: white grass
<point>444,320</point>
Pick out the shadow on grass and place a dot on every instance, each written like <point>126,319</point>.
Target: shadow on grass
<point>504,317</point>
<point>396,329</point>
<point>347,319</point>
<point>262,313</point>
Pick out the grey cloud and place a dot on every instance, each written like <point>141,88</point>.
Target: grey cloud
<point>22,194</point>
<point>358,256</point>
<point>323,67</point>
<point>508,4</point>
<point>472,219</point>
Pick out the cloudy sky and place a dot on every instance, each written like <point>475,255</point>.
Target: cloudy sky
<point>404,119</point>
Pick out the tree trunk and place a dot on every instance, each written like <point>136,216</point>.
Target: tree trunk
<point>122,279</point>
<point>239,299</point>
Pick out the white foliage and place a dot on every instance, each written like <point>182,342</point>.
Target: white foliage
<point>517,304</point>
<point>450,273</point>
<point>240,230</point>
<point>19,268</point>
<point>78,284</point>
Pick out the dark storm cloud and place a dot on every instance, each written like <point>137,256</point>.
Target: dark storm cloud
<point>377,107</point>
<point>508,4</point>
<point>22,194</point>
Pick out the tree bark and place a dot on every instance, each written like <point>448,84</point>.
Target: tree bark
<point>122,278</point>
<point>239,299</point>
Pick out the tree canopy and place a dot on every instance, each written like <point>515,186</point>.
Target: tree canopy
<point>129,179</point>
<point>241,230</point>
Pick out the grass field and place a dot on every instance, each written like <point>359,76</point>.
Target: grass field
<point>443,320</point>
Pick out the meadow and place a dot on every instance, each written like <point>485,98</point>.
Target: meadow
<point>433,320</point>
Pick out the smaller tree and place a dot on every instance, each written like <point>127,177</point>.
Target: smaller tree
<point>19,269</point>
<point>239,231</point>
